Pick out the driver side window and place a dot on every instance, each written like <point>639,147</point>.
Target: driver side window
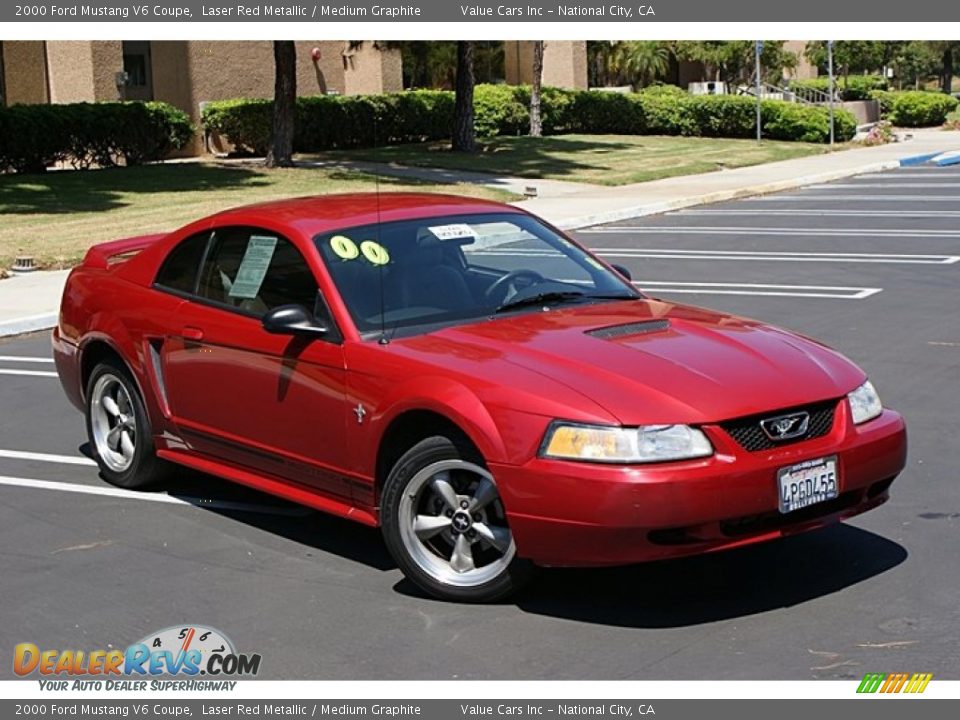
<point>255,270</point>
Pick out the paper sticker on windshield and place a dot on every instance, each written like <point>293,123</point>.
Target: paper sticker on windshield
<point>455,231</point>
<point>253,267</point>
<point>344,248</point>
<point>374,252</point>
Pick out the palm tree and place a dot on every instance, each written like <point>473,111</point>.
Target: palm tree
<point>640,62</point>
<point>284,104</point>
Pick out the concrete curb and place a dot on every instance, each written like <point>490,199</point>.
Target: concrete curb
<point>635,211</point>
<point>917,159</point>
<point>28,324</point>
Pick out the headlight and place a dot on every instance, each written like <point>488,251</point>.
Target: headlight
<point>649,443</point>
<point>864,403</point>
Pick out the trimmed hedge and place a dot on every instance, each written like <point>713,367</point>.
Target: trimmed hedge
<point>915,108</point>
<point>921,109</point>
<point>854,87</point>
<point>331,121</point>
<point>33,137</point>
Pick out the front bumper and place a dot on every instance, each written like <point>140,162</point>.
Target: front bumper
<point>583,514</point>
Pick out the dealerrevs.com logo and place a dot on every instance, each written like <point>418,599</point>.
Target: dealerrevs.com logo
<point>184,651</point>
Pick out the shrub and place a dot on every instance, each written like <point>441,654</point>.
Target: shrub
<point>854,87</point>
<point>725,115</point>
<point>886,98</point>
<point>805,123</point>
<point>329,121</point>
<point>501,110</point>
<point>921,109</point>
<point>245,122</point>
<point>664,91</point>
<point>33,137</point>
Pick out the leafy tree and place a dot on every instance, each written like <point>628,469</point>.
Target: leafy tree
<point>536,122</point>
<point>733,61</point>
<point>916,62</point>
<point>284,104</point>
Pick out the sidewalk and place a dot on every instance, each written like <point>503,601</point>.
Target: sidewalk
<point>30,302</point>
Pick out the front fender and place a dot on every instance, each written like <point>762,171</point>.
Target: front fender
<point>443,396</point>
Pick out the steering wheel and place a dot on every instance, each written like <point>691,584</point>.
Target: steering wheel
<point>508,284</point>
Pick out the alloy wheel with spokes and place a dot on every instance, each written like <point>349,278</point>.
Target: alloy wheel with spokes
<point>453,523</point>
<point>113,422</point>
<point>446,525</point>
<point>119,430</point>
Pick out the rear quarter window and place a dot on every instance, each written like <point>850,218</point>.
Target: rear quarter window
<point>179,270</point>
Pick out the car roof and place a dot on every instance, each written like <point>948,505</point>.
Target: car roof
<point>325,213</point>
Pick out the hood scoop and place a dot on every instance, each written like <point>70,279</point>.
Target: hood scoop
<point>613,332</point>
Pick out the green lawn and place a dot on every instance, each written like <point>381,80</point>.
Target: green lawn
<point>56,216</point>
<point>600,159</point>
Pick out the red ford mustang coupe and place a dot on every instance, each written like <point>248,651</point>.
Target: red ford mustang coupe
<point>468,379</point>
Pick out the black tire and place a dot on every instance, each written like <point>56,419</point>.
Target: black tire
<point>512,572</point>
<point>145,468</point>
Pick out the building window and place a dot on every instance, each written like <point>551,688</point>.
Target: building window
<point>135,66</point>
<point>137,70</point>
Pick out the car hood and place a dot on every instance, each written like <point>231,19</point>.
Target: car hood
<point>649,361</point>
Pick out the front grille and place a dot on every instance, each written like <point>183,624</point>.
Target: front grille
<point>751,437</point>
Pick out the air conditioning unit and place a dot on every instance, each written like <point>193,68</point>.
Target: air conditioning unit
<point>712,87</point>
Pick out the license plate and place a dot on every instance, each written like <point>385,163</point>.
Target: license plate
<point>807,483</point>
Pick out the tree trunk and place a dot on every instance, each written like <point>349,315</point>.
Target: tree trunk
<point>536,122</point>
<point>946,74</point>
<point>464,134</point>
<point>284,104</point>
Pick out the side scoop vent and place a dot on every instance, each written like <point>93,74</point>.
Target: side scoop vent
<point>638,328</point>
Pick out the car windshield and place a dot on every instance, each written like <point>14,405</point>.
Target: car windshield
<point>417,274</point>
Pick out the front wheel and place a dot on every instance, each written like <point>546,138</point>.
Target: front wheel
<point>445,525</point>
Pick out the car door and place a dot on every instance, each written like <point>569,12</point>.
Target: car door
<point>271,403</point>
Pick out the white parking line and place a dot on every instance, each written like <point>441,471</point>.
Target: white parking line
<point>20,358</point>
<point>810,212</point>
<point>896,184</point>
<point>750,230</point>
<point>151,497</point>
<point>758,255</point>
<point>861,198</point>
<point>46,457</point>
<point>863,258</point>
<point>35,373</point>
<point>806,291</point>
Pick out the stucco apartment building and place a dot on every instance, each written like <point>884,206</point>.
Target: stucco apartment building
<point>190,72</point>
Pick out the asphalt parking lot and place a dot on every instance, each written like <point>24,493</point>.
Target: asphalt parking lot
<point>869,265</point>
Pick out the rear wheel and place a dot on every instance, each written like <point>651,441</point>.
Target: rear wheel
<point>445,524</point>
<point>119,430</point>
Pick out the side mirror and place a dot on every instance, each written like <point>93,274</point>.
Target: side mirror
<point>622,270</point>
<point>293,320</point>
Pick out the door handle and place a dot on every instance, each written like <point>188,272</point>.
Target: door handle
<point>192,333</point>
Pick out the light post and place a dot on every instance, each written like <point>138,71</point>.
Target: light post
<point>758,48</point>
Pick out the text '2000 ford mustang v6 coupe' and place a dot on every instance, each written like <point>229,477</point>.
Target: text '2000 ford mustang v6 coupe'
<point>467,378</point>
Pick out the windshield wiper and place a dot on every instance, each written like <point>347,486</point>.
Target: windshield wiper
<point>559,296</point>
<point>556,296</point>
